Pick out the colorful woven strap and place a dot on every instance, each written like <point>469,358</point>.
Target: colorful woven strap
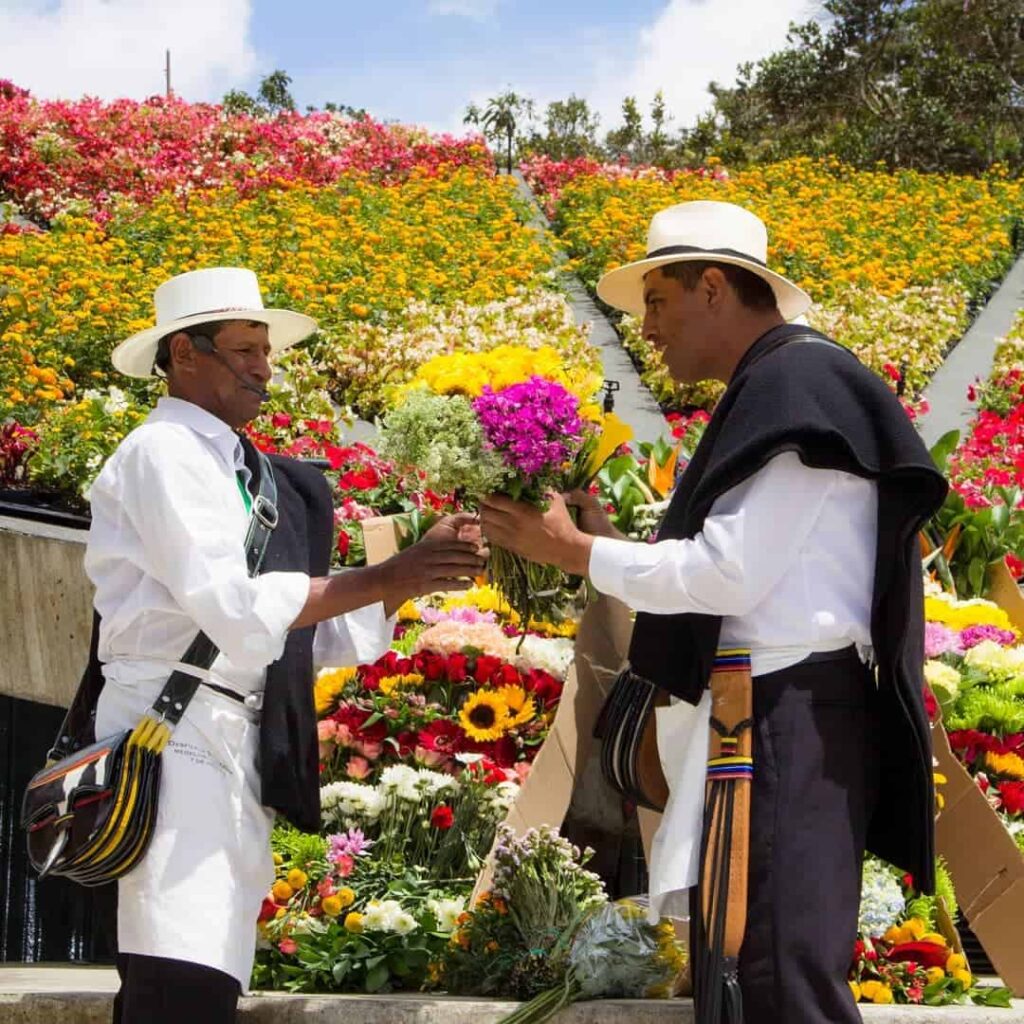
<point>732,659</point>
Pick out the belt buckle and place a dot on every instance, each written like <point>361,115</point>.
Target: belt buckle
<point>254,701</point>
<point>265,511</point>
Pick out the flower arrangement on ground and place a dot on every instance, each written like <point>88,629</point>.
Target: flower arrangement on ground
<point>900,955</point>
<point>546,932</point>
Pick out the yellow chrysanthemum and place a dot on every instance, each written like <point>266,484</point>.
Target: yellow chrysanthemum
<point>329,685</point>
<point>956,962</point>
<point>297,879</point>
<point>484,716</point>
<point>408,612</point>
<point>347,896</point>
<point>521,708</point>
<point>354,922</point>
<point>331,906</point>
<point>409,681</point>
<point>964,977</point>
<point>961,614</point>
<point>1010,765</point>
<point>282,891</point>
<point>935,974</point>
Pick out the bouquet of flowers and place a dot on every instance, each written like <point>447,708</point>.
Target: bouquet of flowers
<point>547,933</point>
<point>523,439</point>
<point>901,956</point>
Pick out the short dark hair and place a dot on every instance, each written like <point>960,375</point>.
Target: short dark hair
<point>210,329</point>
<point>753,291</point>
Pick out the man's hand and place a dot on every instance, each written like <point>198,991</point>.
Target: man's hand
<point>592,517</point>
<point>548,537</point>
<point>447,557</point>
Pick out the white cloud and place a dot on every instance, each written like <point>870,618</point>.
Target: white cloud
<point>478,10</point>
<point>694,42</point>
<point>112,48</point>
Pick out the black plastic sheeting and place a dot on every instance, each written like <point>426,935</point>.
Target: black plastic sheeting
<point>51,920</point>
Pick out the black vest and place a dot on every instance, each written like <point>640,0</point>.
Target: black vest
<point>289,756</point>
<point>794,390</point>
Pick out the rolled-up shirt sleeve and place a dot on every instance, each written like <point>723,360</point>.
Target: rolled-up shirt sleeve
<point>355,638</point>
<point>749,538</point>
<point>193,549</point>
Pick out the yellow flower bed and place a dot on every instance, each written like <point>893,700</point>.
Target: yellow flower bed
<point>829,226</point>
<point>344,255</point>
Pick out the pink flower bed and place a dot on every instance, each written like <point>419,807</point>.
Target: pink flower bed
<point>53,153</point>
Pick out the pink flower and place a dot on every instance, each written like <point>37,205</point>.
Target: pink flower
<point>288,946</point>
<point>344,865</point>
<point>324,888</point>
<point>357,767</point>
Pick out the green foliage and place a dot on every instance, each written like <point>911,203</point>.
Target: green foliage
<point>271,98</point>
<point>930,84</point>
<point>984,708</point>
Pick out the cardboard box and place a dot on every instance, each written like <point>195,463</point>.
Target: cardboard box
<point>1003,589</point>
<point>985,864</point>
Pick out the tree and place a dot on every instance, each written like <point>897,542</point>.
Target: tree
<point>501,119</point>
<point>627,141</point>
<point>930,84</point>
<point>274,92</point>
<point>571,128</point>
<point>272,97</point>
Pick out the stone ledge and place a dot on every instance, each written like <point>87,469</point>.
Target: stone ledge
<point>83,995</point>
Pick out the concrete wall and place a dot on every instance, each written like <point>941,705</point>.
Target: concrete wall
<point>45,611</point>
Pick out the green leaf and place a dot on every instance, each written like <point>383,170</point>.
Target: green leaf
<point>976,577</point>
<point>340,971</point>
<point>377,978</point>
<point>944,448</point>
<point>992,997</point>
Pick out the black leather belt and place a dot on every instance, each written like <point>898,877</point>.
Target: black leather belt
<point>841,655</point>
<point>253,701</point>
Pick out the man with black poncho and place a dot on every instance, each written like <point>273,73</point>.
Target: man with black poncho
<point>167,553</point>
<point>792,533</point>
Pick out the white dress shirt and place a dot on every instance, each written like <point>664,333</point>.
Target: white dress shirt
<point>786,557</point>
<point>166,555</point>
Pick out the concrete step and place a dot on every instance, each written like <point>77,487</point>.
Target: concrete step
<point>83,995</point>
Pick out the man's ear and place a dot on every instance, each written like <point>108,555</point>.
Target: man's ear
<point>183,353</point>
<point>714,286</point>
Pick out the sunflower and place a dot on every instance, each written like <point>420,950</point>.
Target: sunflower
<point>329,685</point>
<point>521,708</point>
<point>484,716</point>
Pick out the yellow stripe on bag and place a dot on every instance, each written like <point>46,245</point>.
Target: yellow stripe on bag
<point>129,778</point>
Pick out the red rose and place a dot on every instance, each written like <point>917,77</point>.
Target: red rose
<point>268,910</point>
<point>1015,565</point>
<point>1012,796</point>
<point>344,542</point>
<point>485,667</point>
<point>506,675</point>
<point>925,954</point>
<point>544,686</point>
<point>281,419</point>
<point>456,668</point>
<point>442,817</point>
<point>430,665</point>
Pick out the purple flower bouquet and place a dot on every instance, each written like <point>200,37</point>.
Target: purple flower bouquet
<point>536,429</point>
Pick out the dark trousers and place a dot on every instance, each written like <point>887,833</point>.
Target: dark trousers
<point>815,783</point>
<point>155,990</point>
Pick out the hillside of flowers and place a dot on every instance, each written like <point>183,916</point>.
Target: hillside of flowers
<point>88,156</point>
<point>892,260</point>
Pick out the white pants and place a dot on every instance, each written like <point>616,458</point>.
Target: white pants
<point>197,892</point>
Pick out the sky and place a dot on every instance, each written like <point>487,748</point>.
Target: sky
<point>414,61</point>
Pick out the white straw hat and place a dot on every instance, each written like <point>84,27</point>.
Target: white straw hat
<point>701,230</point>
<point>203,296</point>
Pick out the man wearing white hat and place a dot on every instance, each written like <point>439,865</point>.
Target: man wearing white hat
<point>792,533</point>
<point>166,552</point>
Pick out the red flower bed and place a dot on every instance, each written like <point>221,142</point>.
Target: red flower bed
<point>53,153</point>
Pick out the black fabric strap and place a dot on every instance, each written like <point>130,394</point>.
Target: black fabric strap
<point>689,250</point>
<point>181,687</point>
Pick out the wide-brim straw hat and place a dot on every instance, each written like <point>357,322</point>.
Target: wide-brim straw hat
<point>207,296</point>
<point>702,230</point>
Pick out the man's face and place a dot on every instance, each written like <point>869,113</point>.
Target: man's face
<point>217,382</point>
<point>676,323</point>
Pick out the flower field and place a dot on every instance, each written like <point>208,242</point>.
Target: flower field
<point>891,260</point>
<point>89,157</point>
